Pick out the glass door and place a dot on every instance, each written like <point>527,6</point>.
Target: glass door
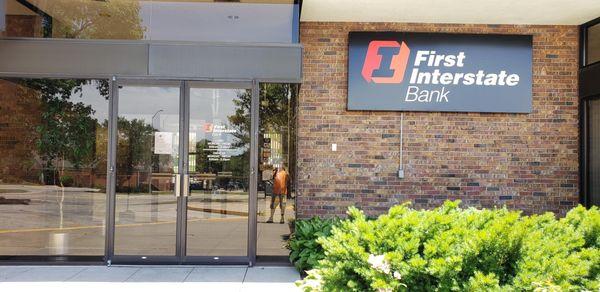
<point>219,171</point>
<point>182,173</point>
<point>147,170</point>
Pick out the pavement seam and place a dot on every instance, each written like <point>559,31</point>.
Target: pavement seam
<point>27,269</point>
<point>188,274</point>
<point>132,274</point>
<point>75,275</point>
<point>244,279</point>
<point>245,273</point>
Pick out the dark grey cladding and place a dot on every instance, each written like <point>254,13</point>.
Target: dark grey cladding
<point>185,60</point>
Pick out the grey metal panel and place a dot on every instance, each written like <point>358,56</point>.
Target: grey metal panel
<point>184,118</point>
<point>2,15</point>
<point>222,61</point>
<point>221,85</point>
<point>69,58</point>
<point>73,57</point>
<point>253,201</point>
<point>149,82</point>
<point>111,178</point>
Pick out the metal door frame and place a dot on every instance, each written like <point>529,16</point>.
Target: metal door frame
<point>184,123</point>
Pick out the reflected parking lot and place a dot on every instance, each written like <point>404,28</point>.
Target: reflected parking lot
<point>70,221</point>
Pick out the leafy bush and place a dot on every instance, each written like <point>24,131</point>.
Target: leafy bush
<point>66,181</point>
<point>454,249</point>
<point>305,251</point>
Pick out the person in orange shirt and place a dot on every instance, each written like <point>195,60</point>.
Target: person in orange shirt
<point>280,191</point>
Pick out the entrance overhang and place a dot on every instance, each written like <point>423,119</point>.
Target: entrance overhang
<point>177,60</point>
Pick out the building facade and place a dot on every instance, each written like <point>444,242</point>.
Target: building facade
<point>196,132</point>
<point>524,161</point>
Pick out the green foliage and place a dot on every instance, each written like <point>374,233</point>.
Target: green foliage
<point>66,181</point>
<point>68,127</point>
<point>83,19</point>
<point>454,249</point>
<point>274,109</point>
<point>134,151</point>
<point>305,251</point>
<point>67,131</point>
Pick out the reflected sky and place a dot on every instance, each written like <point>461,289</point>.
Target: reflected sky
<point>159,107</point>
<point>92,97</point>
<point>209,21</point>
<point>212,108</point>
<point>167,20</point>
<point>145,102</point>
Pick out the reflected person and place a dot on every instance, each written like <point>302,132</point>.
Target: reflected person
<point>280,190</point>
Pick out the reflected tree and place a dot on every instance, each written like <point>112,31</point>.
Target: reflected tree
<point>134,151</point>
<point>85,19</point>
<point>273,110</point>
<point>275,115</point>
<point>67,132</point>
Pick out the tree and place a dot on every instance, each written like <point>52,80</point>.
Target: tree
<point>84,19</point>
<point>273,110</point>
<point>276,115</point>
<point>134,152</point>
<point>67,131</point>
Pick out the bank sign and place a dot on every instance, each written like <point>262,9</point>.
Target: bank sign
<point>392,71</point>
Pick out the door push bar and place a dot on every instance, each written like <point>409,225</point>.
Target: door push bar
<point>186,185</point>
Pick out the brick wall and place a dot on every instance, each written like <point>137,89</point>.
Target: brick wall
<point>20,114</point>
<point>23,26</point>
<point>523,161</point>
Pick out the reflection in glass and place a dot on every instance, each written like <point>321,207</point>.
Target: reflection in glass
<point>53,142</point>
<point>219,163</point>
<point>594,151</point>
<point>147,159</point>
<point>593,44</point>
<point>277,165</point>
<point>174,20</point>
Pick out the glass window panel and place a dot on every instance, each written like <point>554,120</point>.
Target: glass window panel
<point>217,209</point>
<point>593,44</point>
<point>594,152</point>
<point>53,143</point>
<point>174,20</point>
<point>2,17</point>
<point>277,168</point>
<point>147,165</point>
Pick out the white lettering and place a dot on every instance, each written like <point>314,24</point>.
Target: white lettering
<point>413,94</point>
<point>512,80</point>
<point>421,57</point>
<point>444,95</point>
<point>413,76</point>
<point>432,59</point>
<point>412,91</point>
<point>446,78</point>
<point>461,59</point>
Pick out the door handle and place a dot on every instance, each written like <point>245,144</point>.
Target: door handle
<point>177,185</point>
<point>186,185</point>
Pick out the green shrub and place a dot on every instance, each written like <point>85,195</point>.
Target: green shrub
<point>454,249</point>
<point>305,251</point>
<point>66,181</point>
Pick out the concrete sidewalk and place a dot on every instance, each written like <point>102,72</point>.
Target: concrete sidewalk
<point>147,278</point>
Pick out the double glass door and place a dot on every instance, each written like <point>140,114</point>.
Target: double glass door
<point>182,189</point>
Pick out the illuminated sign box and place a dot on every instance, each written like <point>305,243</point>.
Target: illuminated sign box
<point>395,71</point>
